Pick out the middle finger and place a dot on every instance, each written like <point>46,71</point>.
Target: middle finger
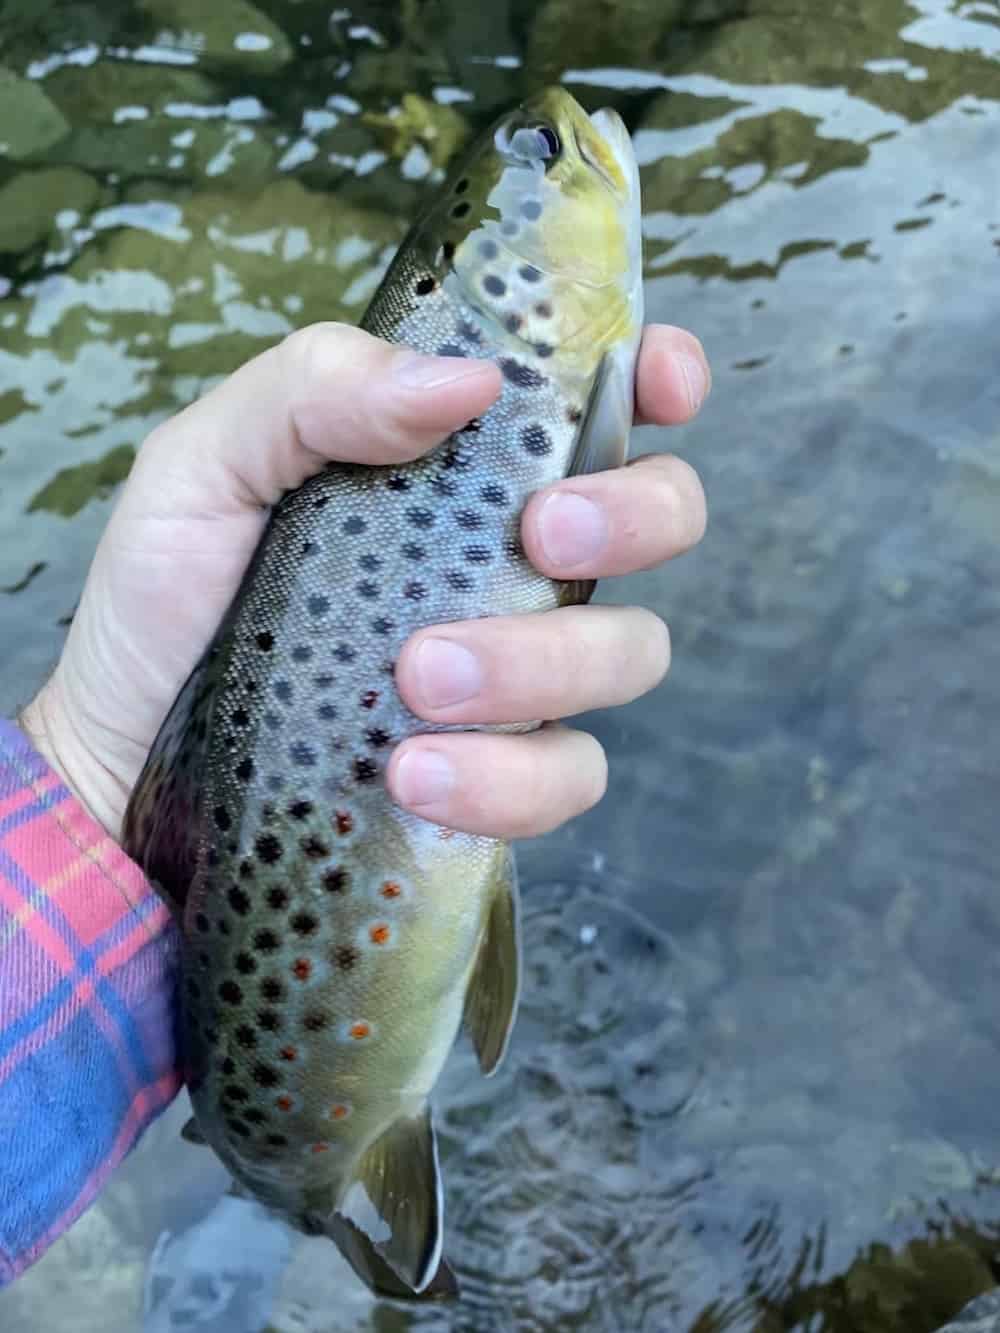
<point>529,667</point>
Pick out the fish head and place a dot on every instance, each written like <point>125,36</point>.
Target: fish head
<point>540,231</point>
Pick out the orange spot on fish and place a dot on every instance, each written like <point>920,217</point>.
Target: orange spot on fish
<point>359,1031</point>
<point>344,822</point>
<point>340,1111</point>
<point>379,934</point>
<point>302,968</point>
<point>288,1053</point>
<point>320,1147</point>
<point>390,889</point>
<point>283,1103</point>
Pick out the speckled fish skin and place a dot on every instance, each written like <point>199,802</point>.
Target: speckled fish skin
<point>333,942</point>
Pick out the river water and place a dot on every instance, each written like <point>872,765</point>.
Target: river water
<point>754,1086</point>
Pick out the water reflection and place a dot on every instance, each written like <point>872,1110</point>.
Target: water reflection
<point>751,1088</point>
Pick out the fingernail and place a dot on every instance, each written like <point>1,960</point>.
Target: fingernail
<point>423,777</point>
<point>431,372</point>
<point>695,380</point>
<point>447,673</point>
<point>572,529</point>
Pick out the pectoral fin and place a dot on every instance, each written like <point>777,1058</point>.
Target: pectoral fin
<point>395,1204</point>
<point>373,1270</point>
<point>602,440</point>
<point>491,999</point>
<point>192,1134</point>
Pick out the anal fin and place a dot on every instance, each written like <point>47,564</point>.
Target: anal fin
<point>396,1207</point>
<point>495,983</point>
<point>375,1272</point>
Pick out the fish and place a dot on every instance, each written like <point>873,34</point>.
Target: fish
<point>333,944</point>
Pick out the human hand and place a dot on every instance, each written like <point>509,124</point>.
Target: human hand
<point>191,513</point>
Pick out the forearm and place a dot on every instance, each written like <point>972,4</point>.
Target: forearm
<point>87,968</point>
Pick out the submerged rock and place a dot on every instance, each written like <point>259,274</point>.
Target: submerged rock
<point>29,122</point>
<point>225,33</point>
<point>32,201</point>
<point>624,33</point>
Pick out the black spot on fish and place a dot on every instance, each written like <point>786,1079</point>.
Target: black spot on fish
<point>525,377</point>
<point>240,717</point>
<point>301,652</point>
<point>283,690</point>
<point>278,899</point>
<point>221,816</point>
<point>469,519</point>
<point>327,712</point>
<point>478,555</point>
<point>323,681</point>
<point>370,563</point>
<point>276,1141</point>
<point>513,323</point>
<point>272,989</point>
<point>232,1092</point>
<point>336,880</point>
<point>461,210</point>
<point>254,1116</point>
<point>230,992</point>
<point>244,769</point>
<point>488,249</point>
<point>269,1020</point>
<point>424,286</point>
<point>237,1127</point>
<point>318,605</point>
<point>512,547</point>
<point>456,579</point>
<point>493,494</point>
<point>344,652</point>
<point>201,922</point>
<point>365,770</point>
<point>398,481</point>
<point>300,809</point>
<point>315,848</point>
<point>228,1066</point>
<point>543,310</point>
<point>535,440</point>
<point>472,426</point>
<point>543,349</point>
<point>345,957</point>
<point>265,941</point>
<point>462,185</point>
<point>509,227</point>
<point>246,1037</point>
<point>469,332</point>
<point>443,486</point>
<point>420,518</point>
<point>238,900</point>
<point>246,869</point>
<point>531,209</point>
<point>414,551</point>
<point>377,737</point>
<point>304,923</point>
<point>268,848</point>
<point>301,754</point>
<point>265,641</point>
<point>263,1075</point>
<point>222,926</point>
<point>529,273</point>
<point>494,286</point>
<point>245,964</point>
<point>382,625</point>
<point>414,591</point>
<point>367,589</point>
<point>308,549</point>
<point>314,1021</point>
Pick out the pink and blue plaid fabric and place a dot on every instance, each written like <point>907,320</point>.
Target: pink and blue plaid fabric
<point>88,960</point>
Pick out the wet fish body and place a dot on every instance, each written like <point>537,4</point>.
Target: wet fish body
<point>333,943</point>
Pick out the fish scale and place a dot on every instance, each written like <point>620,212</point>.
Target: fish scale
<point>332,941</point>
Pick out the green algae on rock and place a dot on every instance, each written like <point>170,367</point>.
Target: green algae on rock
<point>73,487</point>
<point>227,33</point>
<point>29,122</point>
<point>31,201</point>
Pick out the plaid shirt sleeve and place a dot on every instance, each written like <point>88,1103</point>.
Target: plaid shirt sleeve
<point>88,959</point>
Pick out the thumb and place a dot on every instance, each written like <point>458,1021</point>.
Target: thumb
<point>328,392</point>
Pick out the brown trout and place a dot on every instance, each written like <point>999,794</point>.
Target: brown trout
<point>333,943</point>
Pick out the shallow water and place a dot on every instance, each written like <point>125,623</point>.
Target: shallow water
<point>755,1079</point>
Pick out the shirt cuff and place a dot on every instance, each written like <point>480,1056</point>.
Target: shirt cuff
<point>88,968</point>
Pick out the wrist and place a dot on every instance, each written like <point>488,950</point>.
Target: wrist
<point>48,725</point>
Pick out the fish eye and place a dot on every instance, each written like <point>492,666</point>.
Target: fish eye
<point>550,139</point>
